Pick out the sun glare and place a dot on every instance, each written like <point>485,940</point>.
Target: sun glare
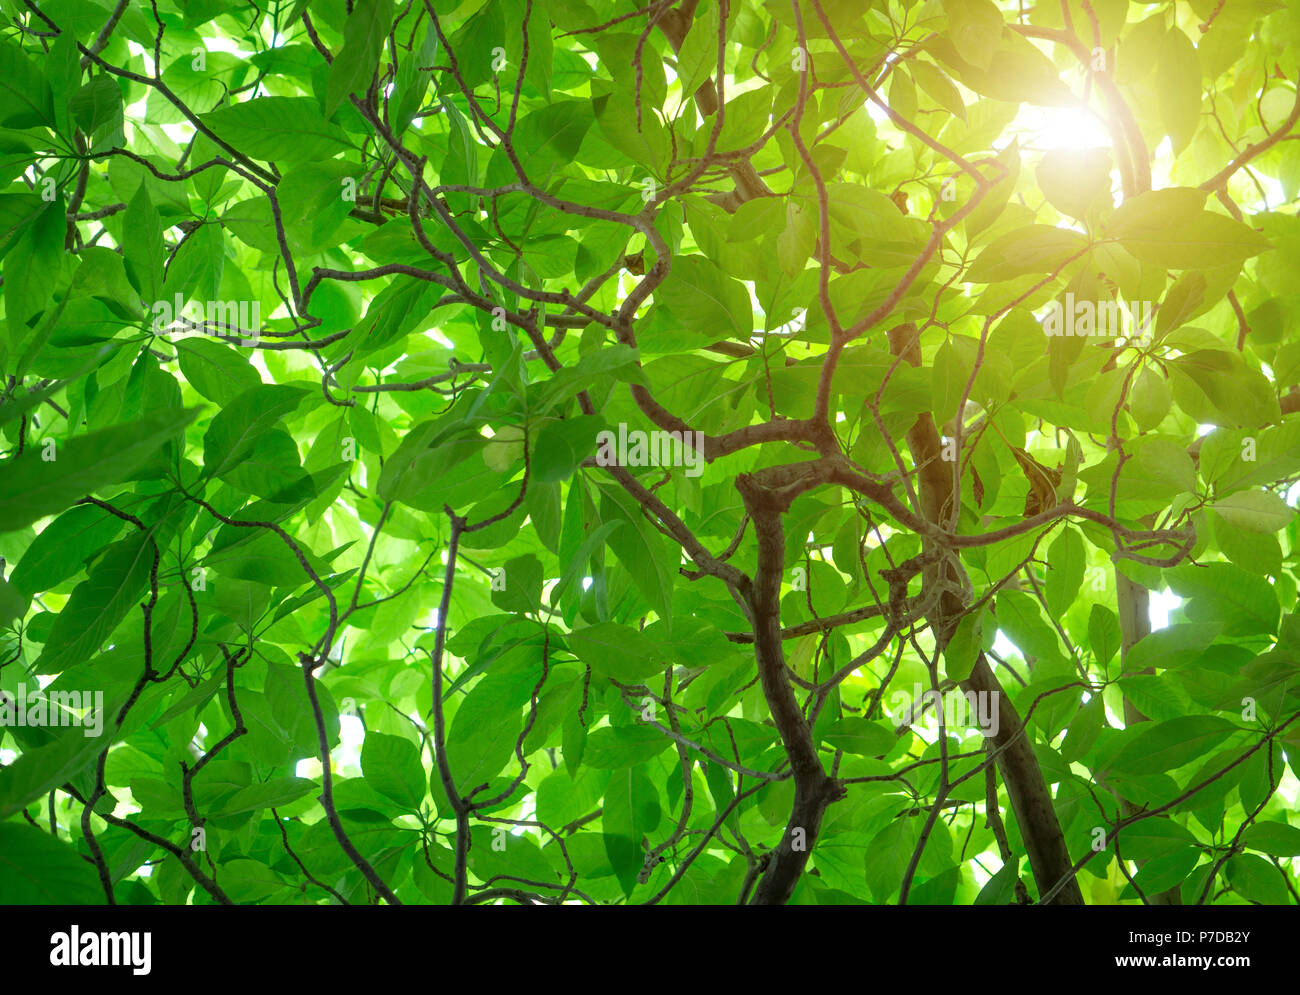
<point>1047,128</point>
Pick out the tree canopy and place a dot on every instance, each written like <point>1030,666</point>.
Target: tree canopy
<point>695,451</point>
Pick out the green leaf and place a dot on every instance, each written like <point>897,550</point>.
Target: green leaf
<point>1242,394</point>
<point>25,97</point>
<point>519,588</point>
<point>38,869</point>
<point>642,551</point>
<point>1016,71</point>
<point>1073,181</point>
<point>647,145</point>
<point>1103,633</point>
<point>1244,603</point>
<point>1149,400</point>
<point>631,803</point>
<point>278,128</point>
<point>216,371</point>
<point>976,29</point>
<point>615,747</point>
<point>705,301</point>
<point>886,857</point>
<point>393,313</point>
<point>353,69</point>
<point>1162,873</point>
<point>552,135</point>
<point>574,741</point>
<point>1152,838</point>
<point>1001,888</point>
<point>964,646</point>
<point>578,562</point>
<point>1164,460</point>
<point>63,546</point>
<point>1255,879</point>
<point>392,767</point>
<point>562,446</point>
<point>1156,231</point>
<point>38,771</point>
<point>1166,746</point>
<point>939,86</point>
<point>1275,838</point>
<point>1178,73</point>
<point>698,58</point>
<point>13,603</point>
<point>902,94</point>
<point>617,651</point>
<point>856,735</point>
<point>99,604</point>
<point>412,84</point>
<point>495,853</point>
<point>1032,249</point>
<point>1066,560</point>
<point>1171,647</point>
<point>1256,552</point>
<point>951,372</point>
<point>1184,299</point>
<point>31,272</point>
<point>237,427</point>
<point>144,253</point>
<point>1156,210</point>
<point>1020,618</point>
<point>1255,511</point>
<point>36,487</point>
<point>97,103</point>
<point>268,794</point>
<point>486,725</point>
<point>424,456</point>
<point>630,811</point>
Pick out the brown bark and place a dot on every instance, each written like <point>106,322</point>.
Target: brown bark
<point>675,24</point>
<point>1134,603</point>
<point>1049,858</point>
<point>814,789</point>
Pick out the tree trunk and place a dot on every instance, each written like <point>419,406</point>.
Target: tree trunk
<point>1134,603</point>
<point>814,789</point>
<point>1049,858</point>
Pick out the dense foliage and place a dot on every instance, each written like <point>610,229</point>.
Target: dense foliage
<point>460,451</point>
